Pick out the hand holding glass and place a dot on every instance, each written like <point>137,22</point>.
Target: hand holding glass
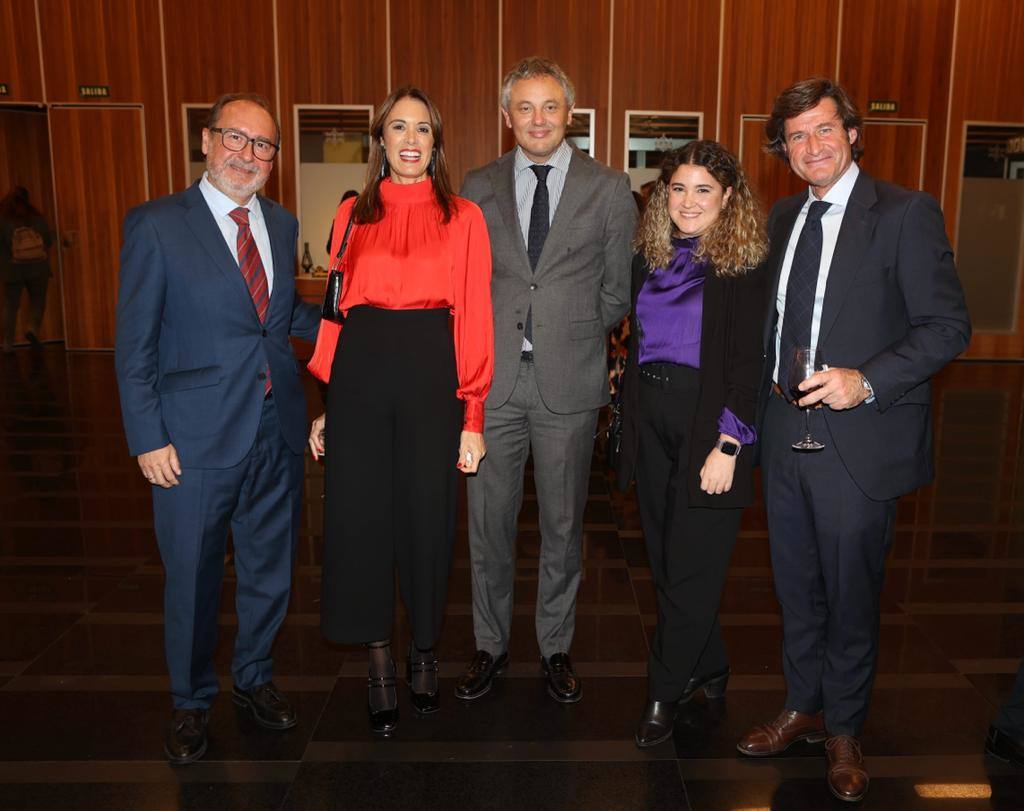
<point>805,362</point>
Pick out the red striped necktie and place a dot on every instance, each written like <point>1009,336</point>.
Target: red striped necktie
<point>251,265</point>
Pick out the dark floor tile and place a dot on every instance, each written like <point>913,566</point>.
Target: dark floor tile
<point>194,796</point>
<point>994,687</point>
<point>24,636</point>
<point>54,584</point>
<point>516,709</point>
<point>131,725</point>
<point>652,785</point>
<point>975,636</point>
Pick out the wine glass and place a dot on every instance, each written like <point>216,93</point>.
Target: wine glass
<point>805,362</point>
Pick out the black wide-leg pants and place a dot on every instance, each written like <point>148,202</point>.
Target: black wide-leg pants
<point>688,547</point>
<point>392,443</point>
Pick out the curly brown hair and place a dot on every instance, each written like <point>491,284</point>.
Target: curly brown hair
<point>735,243</point>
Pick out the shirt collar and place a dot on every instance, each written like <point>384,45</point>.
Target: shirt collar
<point>839,194</point>
<point>559,159</point>
<point>220,204</point>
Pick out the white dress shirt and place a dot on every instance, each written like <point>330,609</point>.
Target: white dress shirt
<point>839,197</point>
<point>221,206</point>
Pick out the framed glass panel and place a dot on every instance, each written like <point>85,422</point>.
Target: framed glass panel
<point>194,118</point>
<point>990,230</point>
<point>652,133</point>
<point>581,131</point>
<point>333,151</point>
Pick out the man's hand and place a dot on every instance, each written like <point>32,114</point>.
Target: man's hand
<point>839,389</point>
<point>161,467</point>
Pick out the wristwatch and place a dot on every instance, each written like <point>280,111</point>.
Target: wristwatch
<point>867,386</point>
<point>727,447</point>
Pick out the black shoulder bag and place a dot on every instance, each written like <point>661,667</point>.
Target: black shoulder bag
<point>332,295</point>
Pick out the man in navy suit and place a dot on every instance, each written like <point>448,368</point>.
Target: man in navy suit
<point>214,410</point>
<point>862,270</point>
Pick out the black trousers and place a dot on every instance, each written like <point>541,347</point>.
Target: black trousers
<point>688,547</point>
<point>1010,718</point>
<point>828,545</point>
<point>393,427</point>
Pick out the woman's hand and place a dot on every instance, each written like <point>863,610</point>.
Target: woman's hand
<point>471,451</point>
<point>716,475</point>
<point>316,436</point>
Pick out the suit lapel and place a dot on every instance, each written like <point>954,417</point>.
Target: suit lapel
<point>779,240</point>
<point>503,181</point>
<point>574,192</point>
<point>278,237</point>
<point>200,220</point>
<point>854,237</point>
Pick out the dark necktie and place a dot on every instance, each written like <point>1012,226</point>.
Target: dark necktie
<point>540,222</point>
<point>803,281</point>
<point>251,265</point>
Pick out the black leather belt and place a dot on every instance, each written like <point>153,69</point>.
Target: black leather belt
<point>527,356</point>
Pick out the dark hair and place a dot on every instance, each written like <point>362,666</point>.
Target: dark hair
<point>17,206</point>
<point>253,98</point>
<point>803,96</point>
<point>735,242</point>
<point>369,207</point>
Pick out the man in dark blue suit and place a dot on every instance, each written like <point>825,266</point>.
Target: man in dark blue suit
<point>213,408</point>
<point>861,270</point>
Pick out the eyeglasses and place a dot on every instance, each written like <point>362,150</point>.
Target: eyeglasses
<point>236,141</point>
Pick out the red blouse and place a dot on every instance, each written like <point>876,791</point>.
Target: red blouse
<point>411,259</point>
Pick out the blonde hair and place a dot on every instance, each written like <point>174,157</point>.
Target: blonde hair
<point>735,243</point>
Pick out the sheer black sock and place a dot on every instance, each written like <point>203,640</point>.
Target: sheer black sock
<point>382,694</point>
<point>424,669</point>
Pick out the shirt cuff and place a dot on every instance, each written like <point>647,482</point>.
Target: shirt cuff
<point>732,425</point>
<point>473,419</point>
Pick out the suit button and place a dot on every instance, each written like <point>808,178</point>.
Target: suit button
<point>264,333</point>
<point>533,287</point>
<point>262,376</point>
<point>519,325</point>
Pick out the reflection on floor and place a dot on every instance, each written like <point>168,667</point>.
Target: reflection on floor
<point>83,687</point>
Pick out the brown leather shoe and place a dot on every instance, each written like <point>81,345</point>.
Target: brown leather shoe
<point>791,726</point>
<point>847,777</point>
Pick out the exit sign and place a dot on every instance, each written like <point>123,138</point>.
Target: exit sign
<point>93,91</point>
<point>882,106</point>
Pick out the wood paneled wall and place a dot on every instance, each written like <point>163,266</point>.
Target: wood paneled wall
<point>943,61</point>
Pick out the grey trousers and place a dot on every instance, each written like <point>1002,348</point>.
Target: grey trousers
<point>562,446</point>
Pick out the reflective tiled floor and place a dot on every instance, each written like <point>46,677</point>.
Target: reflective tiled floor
<point>83,689</point>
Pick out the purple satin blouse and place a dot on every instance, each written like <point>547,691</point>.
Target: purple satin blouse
<point>668,311</point>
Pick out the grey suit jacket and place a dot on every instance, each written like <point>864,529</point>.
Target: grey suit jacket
<point>580,289</point>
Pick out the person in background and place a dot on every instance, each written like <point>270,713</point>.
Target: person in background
<point>688,408</point>
<point>405,404</point>
<point>25,241</point>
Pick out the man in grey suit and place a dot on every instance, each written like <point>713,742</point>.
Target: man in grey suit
<point>560,226</point>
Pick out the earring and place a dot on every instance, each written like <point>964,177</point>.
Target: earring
<point>384,167</point>
<point>433,163</point>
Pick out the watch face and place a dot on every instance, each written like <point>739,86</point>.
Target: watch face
<point>729,448</point>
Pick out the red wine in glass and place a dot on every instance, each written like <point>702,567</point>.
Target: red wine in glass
<point>805,362</point>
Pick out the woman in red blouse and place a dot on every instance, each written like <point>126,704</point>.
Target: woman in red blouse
<point>405,402</point>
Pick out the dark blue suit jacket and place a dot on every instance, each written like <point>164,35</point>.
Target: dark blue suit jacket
<point>190,348</point>
<point>894,309</point>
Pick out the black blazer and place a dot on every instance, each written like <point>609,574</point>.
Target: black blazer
<point>730,370</point>
<point>893,309</point>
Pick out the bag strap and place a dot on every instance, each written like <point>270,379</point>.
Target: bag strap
<point>344,239</point>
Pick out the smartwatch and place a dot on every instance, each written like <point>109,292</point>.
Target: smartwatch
<point>727,447</point>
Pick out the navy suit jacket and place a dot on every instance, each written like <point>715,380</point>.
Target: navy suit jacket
<point>190,348</point>
<point>894,309</point>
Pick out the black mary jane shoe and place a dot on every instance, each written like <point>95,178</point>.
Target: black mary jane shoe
<point>382,722</point>
<point>713,686</point>
<point>656,723</point>
<point>422,703</point>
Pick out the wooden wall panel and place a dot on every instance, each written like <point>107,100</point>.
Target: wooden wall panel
<point>987,65</point>
<point>448,48</point>
<point>766,47</point>
<point>893,151</point>
<point>330,52</point>
<point>665,57</point>
<point>25,161</point>
<point>575,34</point>
<point>227,48</point>
<point>97,152</point>
<point>114,43</point>
<point>901,50</point>
<point>769,177</point>
<point>19,51</point>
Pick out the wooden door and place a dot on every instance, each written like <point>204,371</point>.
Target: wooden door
<point>99,169</point>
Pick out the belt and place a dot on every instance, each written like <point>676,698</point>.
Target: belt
<point>526,356</point>
<point>669,375</point>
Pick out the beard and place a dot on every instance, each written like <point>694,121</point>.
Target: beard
<point>221,178</point>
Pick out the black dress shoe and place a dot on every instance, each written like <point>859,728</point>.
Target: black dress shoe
<point>477,677</point>
<point>186,738</point>
<point>1002,746</point>
<point>33,339</point>
<point>656,723</point>
<point>713,686</point>
<point>563,683</point>
<point>423,703</point>
<point>382,722</point>
<point>267,706</point>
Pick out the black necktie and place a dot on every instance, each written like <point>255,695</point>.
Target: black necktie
<point>540,221</point>
<point>803,281</point>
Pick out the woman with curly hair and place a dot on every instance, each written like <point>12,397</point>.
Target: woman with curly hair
<point>689,402</point>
